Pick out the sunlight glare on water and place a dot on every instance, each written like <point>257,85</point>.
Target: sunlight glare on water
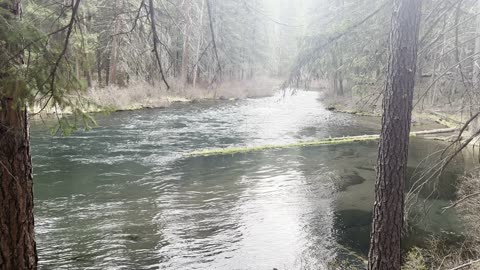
<point>125,196</point>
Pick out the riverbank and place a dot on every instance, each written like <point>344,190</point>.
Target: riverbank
<point>141,95</point>
<point>446,122</point>
<point>134,173</point>
<point>439,252</point>
<point>460,252</point>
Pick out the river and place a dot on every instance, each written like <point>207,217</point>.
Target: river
<point>125,195</point>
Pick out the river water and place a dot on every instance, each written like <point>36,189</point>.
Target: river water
<point>126,196</point>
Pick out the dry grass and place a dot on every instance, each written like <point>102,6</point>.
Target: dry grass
<point>443,255</point>
<point>240,89</point>
<point>137,95</point>
<point>140,94</point>
<point>470,208</point>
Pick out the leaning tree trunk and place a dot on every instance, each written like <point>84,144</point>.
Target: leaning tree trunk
<point>385,250</point>
<point>156,40</point>
<point>17,237</point>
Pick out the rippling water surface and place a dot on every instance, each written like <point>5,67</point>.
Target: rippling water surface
<point>125,196</point>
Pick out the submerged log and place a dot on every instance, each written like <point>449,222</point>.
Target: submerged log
<point>247,149</point>
<point>326,141</point>
<point>434,131</point>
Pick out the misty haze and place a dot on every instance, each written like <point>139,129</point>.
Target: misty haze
<point>239,134</point>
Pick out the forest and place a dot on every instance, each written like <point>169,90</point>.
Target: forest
<point>239,134</point>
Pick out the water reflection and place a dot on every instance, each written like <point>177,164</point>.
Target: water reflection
<point>123,196</point>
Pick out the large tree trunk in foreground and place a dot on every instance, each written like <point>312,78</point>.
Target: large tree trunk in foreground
<point>17,237</point>
<point>385,250</point>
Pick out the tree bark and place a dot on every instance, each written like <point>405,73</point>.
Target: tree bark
<point>17,236</point>
<point>338,57</point>
<point>114,50</point>
<point>107,72</point>
<point>99,67</point>
<point>199,43</point>
<point>186,43</point>
<point>156,41</point>
<point>475,125</point>
<point>87,68</point>
<point>210,20</point>
<point>476,61</point>
<point>337,74</point>
<point>385,249</point>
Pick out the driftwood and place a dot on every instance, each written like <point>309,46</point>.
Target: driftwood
<point>466,265</point>
<point>461,201</point>
<point>434,131</point>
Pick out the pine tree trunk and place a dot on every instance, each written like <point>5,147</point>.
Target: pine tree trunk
<point>184,67</point>
<point>199,43</point>
<point>476,61</point>
<point>87,68</point>
<point>338,57</point>
<point>475,125</point>
<point>114,50</point>
<point>17,236</point>
<point>385,249</point>
<point>99,67</point>
<point>156,40</point>
<point>186,44</point>
<point>107,72</point>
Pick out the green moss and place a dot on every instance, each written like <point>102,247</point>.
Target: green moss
<point>415,260</point>
<point>359,113</point>
<point>248,149</point>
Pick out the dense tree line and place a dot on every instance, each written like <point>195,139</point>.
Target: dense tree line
<point>347,45</point>
<point>362,56</point>
<point>52,50</point>
<point>173,42</point>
